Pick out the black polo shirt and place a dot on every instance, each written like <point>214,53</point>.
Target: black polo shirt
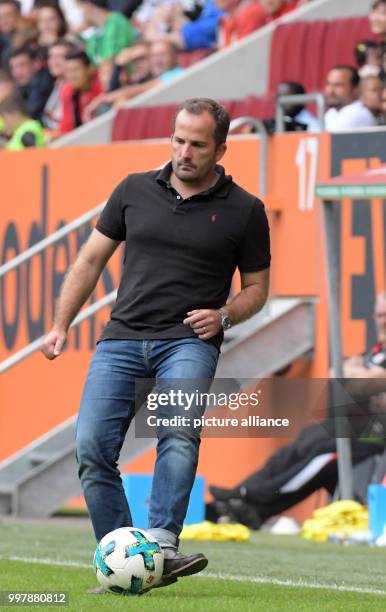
<point>180,255</point>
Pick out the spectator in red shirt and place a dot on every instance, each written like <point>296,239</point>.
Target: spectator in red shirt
<point>242,18</point>
<point>81,88</point>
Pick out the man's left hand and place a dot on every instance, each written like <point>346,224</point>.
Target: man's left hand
<point>205,323</point>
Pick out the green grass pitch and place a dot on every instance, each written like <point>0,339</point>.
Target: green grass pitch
<point>270,573</point>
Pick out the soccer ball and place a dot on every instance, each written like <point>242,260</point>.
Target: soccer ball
<point>128,561</point>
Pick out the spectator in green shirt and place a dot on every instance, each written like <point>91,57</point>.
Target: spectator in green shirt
<point>113,33</point>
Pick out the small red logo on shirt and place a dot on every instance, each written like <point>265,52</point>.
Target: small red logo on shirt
<point>213,218</point>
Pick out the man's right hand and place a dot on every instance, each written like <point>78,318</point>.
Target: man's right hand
<point>53,344</point>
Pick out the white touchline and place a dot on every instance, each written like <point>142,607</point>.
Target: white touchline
<point>234,578</point>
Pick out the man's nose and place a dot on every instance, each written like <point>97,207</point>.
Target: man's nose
<point>186,150</point>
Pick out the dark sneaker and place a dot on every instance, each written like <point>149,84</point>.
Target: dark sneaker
<point>244,513</point>
<point>177,564</point>
<point>221,494</point>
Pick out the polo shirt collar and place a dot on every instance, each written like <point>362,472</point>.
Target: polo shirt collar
<point>220,189</point>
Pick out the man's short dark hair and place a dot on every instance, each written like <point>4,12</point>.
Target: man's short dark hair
<point>197,106</point>
<point>15,3</point>
<point>354,76</point>
<point>25,50</point>
<point>78,55</point>
<point>63,42</point>
<point>13,103</point>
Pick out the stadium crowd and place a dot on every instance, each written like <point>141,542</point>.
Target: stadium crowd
<point>64,62</point>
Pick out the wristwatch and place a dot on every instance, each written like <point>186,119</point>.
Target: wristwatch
<point>226,322</point>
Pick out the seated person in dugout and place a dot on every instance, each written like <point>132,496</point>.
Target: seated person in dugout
<point>308,464</point>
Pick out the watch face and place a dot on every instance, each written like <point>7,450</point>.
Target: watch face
<point>226,322</point>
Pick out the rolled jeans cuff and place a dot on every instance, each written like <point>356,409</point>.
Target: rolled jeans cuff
<point>165,538</point>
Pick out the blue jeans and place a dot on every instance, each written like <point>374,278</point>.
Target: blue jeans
<point>106,410</point>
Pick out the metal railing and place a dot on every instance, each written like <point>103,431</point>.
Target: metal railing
<point>299,99</point>
<point>262,132</point>
<point>31,252</point>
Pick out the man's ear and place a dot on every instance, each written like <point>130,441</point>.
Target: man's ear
<point>220,151</point>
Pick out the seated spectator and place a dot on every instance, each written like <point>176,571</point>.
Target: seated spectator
<point>52,112</point>
<point>277,8</point>
<point>377,18</point>
<point>340,90</point>
<point>241,19</point>
<point>297,114</point>
<point>32,78</point>
<point>9,22</point>
<point>188,35</point>
<point>163,66</point>
<point>81,88</point>
<point>50,22</point>
<point>368,56</point>
<point>131,66</point>
<point>113,31</point>
<point>363,112</point>
<point>164,61</point>
<point>22,130</point>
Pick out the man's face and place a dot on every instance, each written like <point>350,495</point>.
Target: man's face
<point>377,18</point>
<point>57,61</point>
<point>372,93</point>
<point>8,18</point>
<point>339,90</point>
<point>194,151</point>
<point>272,6</point>
<point>77,74</point>
<point>22,69</point>
<point>141,64</point>
<point>380,320</point>
<point>162,58</point>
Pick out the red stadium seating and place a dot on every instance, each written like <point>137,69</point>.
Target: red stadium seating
<point>301,51</point>
<point>155,121</point>
<point>306,51</point>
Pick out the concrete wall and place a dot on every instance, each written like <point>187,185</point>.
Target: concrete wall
<point>232,73</point>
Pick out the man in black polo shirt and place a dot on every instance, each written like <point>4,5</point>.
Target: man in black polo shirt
<point>186,229</point>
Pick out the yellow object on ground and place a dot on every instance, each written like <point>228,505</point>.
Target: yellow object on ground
<point>212,531</point>
<point>341,517</point>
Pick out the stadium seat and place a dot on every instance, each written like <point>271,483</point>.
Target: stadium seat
<point>313,66</point>
<point>143,122</point>
<point>262,107</point>
<point>306,51</point>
